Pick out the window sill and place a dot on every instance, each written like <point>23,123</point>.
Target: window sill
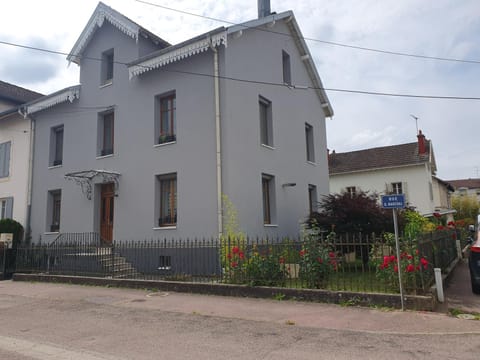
<point>107,83</point>
<point>164,268</point>
<point>104,156</point>
<point>51,233</point>
<point>311,163</point>
<point>55,166</point>
<point>164,144</point>
<point>5,179</point>
<point>268,146</point>
<point>271,225</point>
<point>165,228</point>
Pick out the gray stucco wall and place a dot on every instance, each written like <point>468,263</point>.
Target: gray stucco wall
<point>257,56</point>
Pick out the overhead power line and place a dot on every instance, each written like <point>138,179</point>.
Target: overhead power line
<point>333,43</point>
<point>259,82</point>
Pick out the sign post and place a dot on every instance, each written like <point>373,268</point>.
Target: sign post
<point>395,202</point>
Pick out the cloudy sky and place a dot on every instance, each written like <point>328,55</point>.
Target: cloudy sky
<point>436,28</point>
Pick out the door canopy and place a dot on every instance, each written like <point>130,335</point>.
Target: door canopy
<point>86,179</point>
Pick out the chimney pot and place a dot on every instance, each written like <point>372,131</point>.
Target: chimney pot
<point>263,8</point>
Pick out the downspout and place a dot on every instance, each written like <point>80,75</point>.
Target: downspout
<point>218,138</point>
<point>30,174</point>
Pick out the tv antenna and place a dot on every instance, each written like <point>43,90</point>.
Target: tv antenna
<point>416,121</point>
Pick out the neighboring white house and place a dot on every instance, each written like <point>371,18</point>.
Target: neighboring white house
<point>398,169</point>
<point>15,138</point>
<point>466,187</point>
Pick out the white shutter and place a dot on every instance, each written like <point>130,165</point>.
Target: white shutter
<point>405,191</point>
<point>9,208</point>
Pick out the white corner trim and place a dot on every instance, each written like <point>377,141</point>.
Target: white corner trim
<point>181,53</point>
<point>49,101</point>
<point>101,13</point>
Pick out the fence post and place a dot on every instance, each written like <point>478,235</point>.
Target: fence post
<point>439,283</point>
<point>459,249</point>
<point>113,259</point>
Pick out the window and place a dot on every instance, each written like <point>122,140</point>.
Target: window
<point>352,191</point>
<point>312,198</point>
<point>168,200</point>
<point>6,208</point>
<point>397,188</point>
<point>53,210</point>
<point>309,143</point>
<point>56,146</point>
<point>106,133</point>
<point>166,115</point>
<point>266,127</point>
<point>5,159</point>
<point>287,77</point>
<point>165,262</point>
<point>268,195</point>
<point>107,67</point>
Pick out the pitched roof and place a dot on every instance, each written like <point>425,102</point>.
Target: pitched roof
<point>103,12</point>
<point>218,36</point>
<point>379,158</point>
<point>465,183</point>
<point>17,94</point>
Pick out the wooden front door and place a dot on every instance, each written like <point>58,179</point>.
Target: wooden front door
<point>106,212</point>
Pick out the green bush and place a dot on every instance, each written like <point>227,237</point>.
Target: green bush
<point>12,227</point>
<point>264,268</point>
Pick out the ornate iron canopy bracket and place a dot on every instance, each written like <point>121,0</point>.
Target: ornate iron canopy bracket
<point>86,179</point>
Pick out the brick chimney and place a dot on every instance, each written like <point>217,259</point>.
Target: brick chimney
<point>422,147</point>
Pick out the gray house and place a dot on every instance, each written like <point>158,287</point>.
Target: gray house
<point>155,133</point>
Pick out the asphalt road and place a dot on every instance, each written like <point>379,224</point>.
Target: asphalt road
<point>53,321</point>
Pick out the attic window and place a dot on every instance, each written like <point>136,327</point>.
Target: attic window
<point>107,67</point>
<point>287,76</point>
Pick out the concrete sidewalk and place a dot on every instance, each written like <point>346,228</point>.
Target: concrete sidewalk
<point>293,313</point>
<point>458,292</point>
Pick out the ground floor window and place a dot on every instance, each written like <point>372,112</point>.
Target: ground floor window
<point>53,210</point>
<point>167,185</point>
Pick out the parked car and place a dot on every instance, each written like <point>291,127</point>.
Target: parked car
<point>474,260</point>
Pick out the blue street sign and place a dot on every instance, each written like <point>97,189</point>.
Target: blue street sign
<point>393,201</point>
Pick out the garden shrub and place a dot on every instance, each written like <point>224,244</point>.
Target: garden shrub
<point>13,227</point>
<point>265,268</point>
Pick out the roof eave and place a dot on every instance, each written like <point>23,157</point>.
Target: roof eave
<point>68,94</point>
<point>376,169</point>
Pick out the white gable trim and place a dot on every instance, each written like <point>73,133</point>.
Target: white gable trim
<point>102,13</point>
<point>46,102</point>
<point>178,54</point>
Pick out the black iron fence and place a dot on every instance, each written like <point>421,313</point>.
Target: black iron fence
<point>351,262</point>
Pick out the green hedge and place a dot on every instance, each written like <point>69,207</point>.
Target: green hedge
<point>13,227</point>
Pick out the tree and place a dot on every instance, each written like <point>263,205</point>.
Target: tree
<point>467,208</point>
<point>358,212</point>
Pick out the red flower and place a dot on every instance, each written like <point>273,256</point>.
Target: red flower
<point>386,259</point>
<point>451,224</point>
<point>229,256</point>
<point>437,215</point>
<point>395,268</point>
<point>409,257</point>
<point>424,262</point>
<point>241,255</point>
<point>382,266</point>
<point>440,227</point>
<point>302,252</point>
<point>235,249</point>
<point>331,254</point>
<point>281,260</point>
<point>393,258</point>
<point>320,260</point>
<point>234,264</point>
<point>410,268</point>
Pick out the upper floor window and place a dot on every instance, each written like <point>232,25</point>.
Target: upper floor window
<point>352,191</point>
<point>106,73</point>
<point>309,143</point>
<point>266,126</point>
<point>6,208</point>
<point>5,159</point>
<point>397,188</point>
<point>166,118</point>
<point>287,77</point>
<point>56,146</point>
<point>106,133</point>
<point>167,185</point>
